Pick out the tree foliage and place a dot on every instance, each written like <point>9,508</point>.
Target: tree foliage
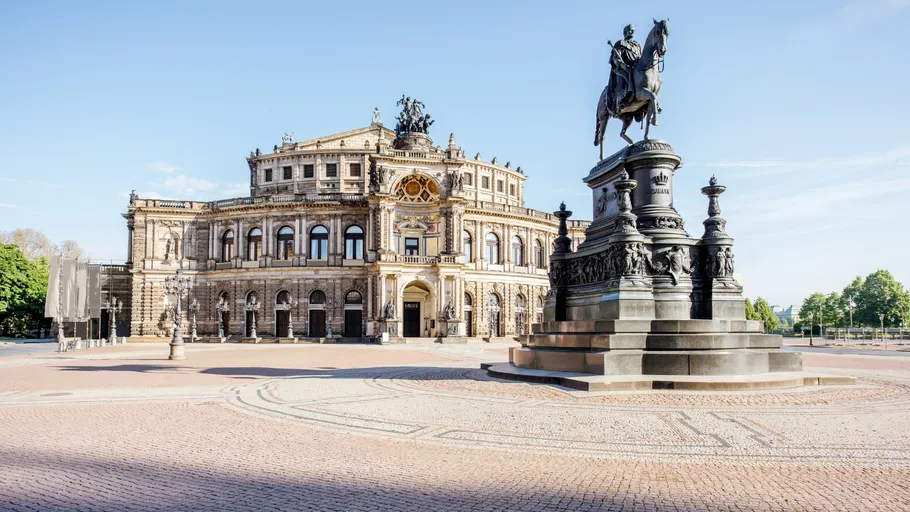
<point>23,286</point>
<point>763,310</point>
<point>34,244</point>
<point>751,314</point>
<point>879,293</point>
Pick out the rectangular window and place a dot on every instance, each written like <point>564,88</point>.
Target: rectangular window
<point>331,170</point>
<point>485,182</point>
<point>411,247</point>
<point>511,189</point>
<point>469,180</point>
<point>307,170</point>
<point>354,170</point>
<point>499,186</point>
<point>268,175</point>
<point>286,173</point>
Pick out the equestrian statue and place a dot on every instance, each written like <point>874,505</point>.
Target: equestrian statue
<point>634,82</point>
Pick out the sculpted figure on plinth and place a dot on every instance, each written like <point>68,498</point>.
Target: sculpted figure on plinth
<point>631,92</point>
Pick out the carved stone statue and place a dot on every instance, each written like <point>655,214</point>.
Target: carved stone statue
<point>449,311</point>
<point>287,138</point>
<point>389,310</point>
<point>412,119</point>
<point>728,257</point>
<point>133,197</point>
<point>631,92</point>
<point>167,248</point>
<point>720,263</point>
<point>678,262</point>
<point>377,117</point>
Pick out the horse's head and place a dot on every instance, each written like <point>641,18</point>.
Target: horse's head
<point>659,35</point>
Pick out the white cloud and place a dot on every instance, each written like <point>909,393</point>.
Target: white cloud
<point>163,167</point>
<point>5,205</point>
<point>893,157</point>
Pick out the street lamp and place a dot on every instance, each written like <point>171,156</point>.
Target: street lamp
<point>222,307</point>
<point>881,317</point>
<point>253,307</point>
<point>329,305</point>
<point>292,303</point>
<point>194,308</point>
<point>177,285</point>
<point>850,306</point>
<point>113,307</point>
<point>811,326</point>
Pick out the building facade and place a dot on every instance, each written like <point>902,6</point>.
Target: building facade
<point>350,235</point>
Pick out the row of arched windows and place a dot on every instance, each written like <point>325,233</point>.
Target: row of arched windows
<point>284,243</point>
<point>317,297</point>
<point>491,250</point>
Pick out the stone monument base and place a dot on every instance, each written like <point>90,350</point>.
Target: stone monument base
<point>250,340</point>
<point>287,340</point>
<point>588,382</point>
<point>212,339</point>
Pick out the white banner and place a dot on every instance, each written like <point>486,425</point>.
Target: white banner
<point>68,289</point>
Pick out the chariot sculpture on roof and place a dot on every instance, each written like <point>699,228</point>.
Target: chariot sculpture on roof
<point>631,93</point>
<point>412,119</point>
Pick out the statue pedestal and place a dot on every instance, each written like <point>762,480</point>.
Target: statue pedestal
<point>643,302</point>
<point>392,327</point>
<point>287,340</point>
<point>250,340</point>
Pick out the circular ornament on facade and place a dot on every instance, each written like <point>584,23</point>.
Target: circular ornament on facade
<point>417,189</point>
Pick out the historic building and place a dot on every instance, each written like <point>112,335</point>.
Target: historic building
<point>351,235</point>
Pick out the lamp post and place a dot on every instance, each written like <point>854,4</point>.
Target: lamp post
<point>426,326</point>
<point>194,308</point>
<point>292,303</point>
<point>113,307</point>
<point>222,307</point>
<point>881,317</point>
<point>177,285</point>
<point>253,307</point>
<point>850,306</point>
<point>328,318</point>
<point>811,327</point>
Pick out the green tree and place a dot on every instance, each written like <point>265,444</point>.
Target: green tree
<point>834,310</point>
<point>23,286</point>
<point>813,306</point>
<point>750,311</point>
<point>763,309</point>
<point>881,294</point>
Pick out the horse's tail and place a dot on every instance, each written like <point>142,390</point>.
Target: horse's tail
<point>601,118</point>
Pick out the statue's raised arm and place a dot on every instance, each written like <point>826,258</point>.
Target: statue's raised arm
<point>632,90</point>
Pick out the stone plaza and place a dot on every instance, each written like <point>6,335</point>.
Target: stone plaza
<point>421,427</point>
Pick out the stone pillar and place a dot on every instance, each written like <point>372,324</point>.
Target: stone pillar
<point>716,293</point>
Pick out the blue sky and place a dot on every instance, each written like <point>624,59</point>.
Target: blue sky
<point>799,108</point>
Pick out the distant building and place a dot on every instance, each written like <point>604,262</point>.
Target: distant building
<point>788,315</point>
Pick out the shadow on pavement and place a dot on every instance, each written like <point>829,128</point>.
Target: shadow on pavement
<point>247,372</point>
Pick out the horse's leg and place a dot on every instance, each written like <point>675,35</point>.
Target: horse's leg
<point>648,123</point>
<point>626,121</point>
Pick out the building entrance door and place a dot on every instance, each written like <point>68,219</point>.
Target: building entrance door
<point>353,322</point>
<point>469,323</point>
<point>411,319</point>
<point>281,322</point>
<point>317,323</point>
<point>249,324</point>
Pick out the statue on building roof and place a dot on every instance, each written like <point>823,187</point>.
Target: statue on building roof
<point>631,92</point>
<point>377,117</point>
<point>412,119</point>
<point>133,197</point>
<point>287,138</point>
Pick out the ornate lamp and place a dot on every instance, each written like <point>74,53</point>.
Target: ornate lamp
<point>253,307</point>
<point>177,286</point>
<point>222,307</point>
<point>194,308</point>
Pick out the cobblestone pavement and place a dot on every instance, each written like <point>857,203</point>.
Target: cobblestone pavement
<point>421,428</point>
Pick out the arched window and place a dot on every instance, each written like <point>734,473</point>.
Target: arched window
<point>254,244</point>
<point>227,245</point>
<point>283,297</point>
<point>353,297</point>
<point>539,309</point>
<point>520,313</point>
<point>492,249</point>
<point>518,251</point>
<point>353,243</point>
<point>284,245</point>
<point>538,254</point>
<point>317,297</point>
<point>468,300</point>
<point>251,298</point>
<point>319,243</point>
<point>467,246</point>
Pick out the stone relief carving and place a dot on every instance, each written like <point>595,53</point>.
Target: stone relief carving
<point>661,223</point>
<point>719,262</point>
<point>678,262</point>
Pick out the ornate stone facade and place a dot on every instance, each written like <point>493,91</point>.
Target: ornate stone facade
<point>349,235</point>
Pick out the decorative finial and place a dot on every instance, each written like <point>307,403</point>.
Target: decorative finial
<point>477,156</point>
<point>562,206</point>
<point>451,141</point>
<point>494,160</point>
<point>509,164</point>
<point>712,181</point>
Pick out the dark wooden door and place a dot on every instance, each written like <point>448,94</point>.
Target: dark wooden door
<point>226,322</point>
<point>469,323</point>
<point>353,323</point>
<point>411,319</point>
<point>317,323</point>
<point>281,323</point>
<point>249,324</point>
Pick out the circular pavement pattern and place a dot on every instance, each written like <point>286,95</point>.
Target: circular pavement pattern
<point>465,407</point>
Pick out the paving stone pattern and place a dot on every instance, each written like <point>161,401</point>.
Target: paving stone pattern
<point>421,428</point>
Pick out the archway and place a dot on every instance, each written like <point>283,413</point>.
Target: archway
<point>468,315</point>
<point>353,314</point>
<point>418,313</point>
<point>493,310</point>
<point>282,313</point>
<point>317,314</point>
